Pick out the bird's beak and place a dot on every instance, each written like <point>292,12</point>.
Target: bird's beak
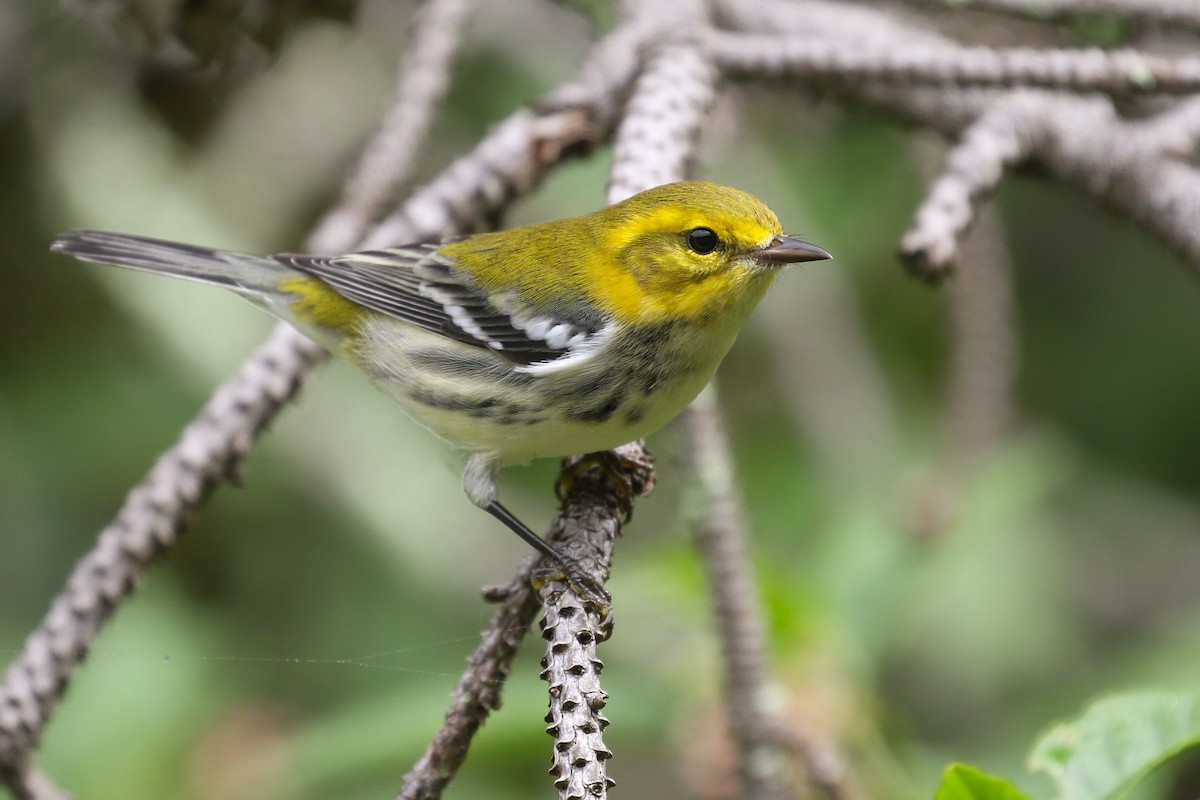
<point>786,250</point>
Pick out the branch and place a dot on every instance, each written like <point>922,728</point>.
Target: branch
<point>1117,72</point>
<point>210,448</point>
<point>1163,12</point>
<point>27,782</point>
<point>588,523</point>
<point>1138,167</point>
<point>387,161</point>
<point>720,535</point>
<point>983,365</point>
<point>993,143</point>
<point>478,691</point>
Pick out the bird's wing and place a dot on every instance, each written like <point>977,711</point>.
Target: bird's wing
<point>420,286</point>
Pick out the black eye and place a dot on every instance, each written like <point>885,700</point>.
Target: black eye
<point>702,240</point>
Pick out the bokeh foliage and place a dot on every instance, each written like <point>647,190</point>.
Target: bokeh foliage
<point>302,639</point>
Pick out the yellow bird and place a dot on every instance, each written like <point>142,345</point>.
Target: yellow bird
<point>563,337</point>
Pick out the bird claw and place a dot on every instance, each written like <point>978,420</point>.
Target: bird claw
<point>584,585</point>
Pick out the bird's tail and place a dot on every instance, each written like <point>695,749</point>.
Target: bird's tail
<point>253,277</point>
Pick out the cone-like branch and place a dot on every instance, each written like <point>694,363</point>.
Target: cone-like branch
<point>1000,138</point>
<point>803,57</point>
<point>599,495</point>
<point>1163,12</point>
<point>210,448</point>
<point>478,691</point>
<point>720,533</point>
<point>387,161</point>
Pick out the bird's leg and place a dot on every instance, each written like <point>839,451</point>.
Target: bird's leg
<point>565,567</point>
<point>479,481</point>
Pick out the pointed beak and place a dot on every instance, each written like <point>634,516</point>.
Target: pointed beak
<point>786,250</point>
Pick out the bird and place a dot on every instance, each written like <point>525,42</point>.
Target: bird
<point>564,337</point>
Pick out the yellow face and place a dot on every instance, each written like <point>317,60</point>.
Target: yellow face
<point>693,250</point>
<point>684,250</point>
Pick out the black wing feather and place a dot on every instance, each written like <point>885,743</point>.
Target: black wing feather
<point>421,287</point>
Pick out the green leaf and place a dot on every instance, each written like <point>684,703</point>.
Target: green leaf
<point>964,782</point>
<point>1116,742</point>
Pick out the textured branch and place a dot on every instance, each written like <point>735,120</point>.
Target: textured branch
<point>27,782</point>
<point>517,154</point>
<point>802,57</point>
<point>983,364</point>
<point>1163,12</point>
<point>210,448</point>
<point>1000,138</point>
<point>387,162</point>
<point>478,692</point>
<point>720,534</point>
<point>1137,167</point>
<point>656,141</point>
<point>586,528</point>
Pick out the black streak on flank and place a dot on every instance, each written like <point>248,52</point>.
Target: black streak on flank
<point>599,413</point>
<point>485,407</point>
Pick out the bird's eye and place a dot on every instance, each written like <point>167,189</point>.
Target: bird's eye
<point>702,240</point>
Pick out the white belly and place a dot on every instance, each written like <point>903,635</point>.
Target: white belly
<point>477,401</point>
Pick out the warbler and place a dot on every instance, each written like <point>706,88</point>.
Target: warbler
<point>563,337</point>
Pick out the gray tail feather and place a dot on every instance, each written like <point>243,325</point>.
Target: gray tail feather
<point>253,277</point>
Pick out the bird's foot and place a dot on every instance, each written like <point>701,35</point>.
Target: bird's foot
<point>612,466</point>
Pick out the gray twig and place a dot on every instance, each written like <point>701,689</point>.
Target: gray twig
<point>1113,71</point>
<point>386,163</point>
<point>1164,12</point>
<point>596,501</point>
<point>478,691</point>
<point>210,448</point>
<point>27,782</point>
<point>720,535</point>
<point>1000,138</point>
<point>984,360</point>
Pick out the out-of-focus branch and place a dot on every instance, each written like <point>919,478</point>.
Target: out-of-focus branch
<point>974,167</point>
<point>27,782</point>
<point>478,691</point>
<point>801,57</point>
<point>1163,12</point>
<point>984,361</point>
<point>720,535</point>
<point>656,140</point>
<point>210,448</point>
<point>1137,167</point>
<point>387,161</point>
<point>570,121</point>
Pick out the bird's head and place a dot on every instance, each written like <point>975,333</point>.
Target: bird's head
<point>691,250</point>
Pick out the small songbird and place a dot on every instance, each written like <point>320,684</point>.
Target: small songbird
<point>552,339</point>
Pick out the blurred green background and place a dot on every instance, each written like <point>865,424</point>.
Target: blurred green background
<point>303,638</point>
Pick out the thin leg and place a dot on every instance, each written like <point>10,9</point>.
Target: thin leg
<point>572,571</point>
<point>521,529</point>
